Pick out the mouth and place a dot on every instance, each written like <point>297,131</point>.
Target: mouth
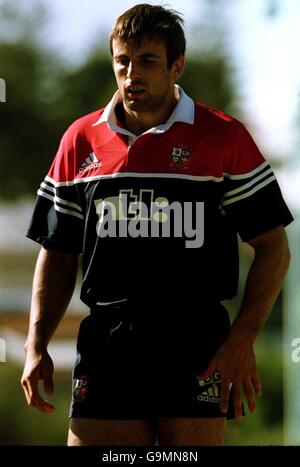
<point>134,90</point>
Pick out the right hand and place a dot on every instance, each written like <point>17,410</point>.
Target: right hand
<point>38,366</point>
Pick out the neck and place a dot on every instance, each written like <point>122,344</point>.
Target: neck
<point>139,122</point>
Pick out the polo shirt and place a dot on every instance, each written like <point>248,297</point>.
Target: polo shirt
<point>156,216</point>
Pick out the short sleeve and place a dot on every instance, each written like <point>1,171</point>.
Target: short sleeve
<point>252,201</point>
<point>58,218</point>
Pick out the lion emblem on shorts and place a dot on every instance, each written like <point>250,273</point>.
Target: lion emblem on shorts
<point>81,388</point>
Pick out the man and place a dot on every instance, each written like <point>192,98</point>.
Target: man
<point>152,191</point>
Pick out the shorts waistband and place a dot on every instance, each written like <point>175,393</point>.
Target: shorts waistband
<point>115,310</point>
<point>129,309</point>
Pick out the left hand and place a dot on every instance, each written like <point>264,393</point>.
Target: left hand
<point>235,361</point>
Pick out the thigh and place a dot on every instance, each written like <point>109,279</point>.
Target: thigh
<point>87,432</point>
<point>191,431</point>
<point>111,377</point>
<point>180,395</point>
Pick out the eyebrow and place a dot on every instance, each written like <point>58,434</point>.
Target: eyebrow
<point>143,55</point>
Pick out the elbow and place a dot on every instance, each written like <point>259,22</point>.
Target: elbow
<point>287,259</point>
<point>286,253</point>
<point>273,246</point>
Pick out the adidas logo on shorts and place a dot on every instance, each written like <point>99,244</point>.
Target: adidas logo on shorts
<point>211,392</point>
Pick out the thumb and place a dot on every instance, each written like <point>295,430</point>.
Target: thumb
<point>48,385</point>
<point>208,371</point>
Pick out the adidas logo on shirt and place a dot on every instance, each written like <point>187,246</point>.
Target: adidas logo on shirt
<point>91,162</point>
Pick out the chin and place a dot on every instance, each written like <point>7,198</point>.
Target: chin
<point>136,106</point>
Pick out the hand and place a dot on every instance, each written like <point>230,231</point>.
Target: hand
<point>235,361</point>
<point>38,367</point>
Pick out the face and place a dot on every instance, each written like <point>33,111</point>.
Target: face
<point>143,77</point>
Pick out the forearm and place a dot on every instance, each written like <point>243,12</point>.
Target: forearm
<point>263,284</point>
<point>53,286</point>
<point>235,358</point>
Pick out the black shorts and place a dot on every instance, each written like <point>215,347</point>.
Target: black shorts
<point>144,364</point>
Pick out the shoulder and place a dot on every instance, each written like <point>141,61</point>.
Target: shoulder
<point>230,138</point>
<point>75,146</point>
<point>83,126</point>
<point>215,118</point>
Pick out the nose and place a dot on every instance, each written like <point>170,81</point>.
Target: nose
<point>133,70</point>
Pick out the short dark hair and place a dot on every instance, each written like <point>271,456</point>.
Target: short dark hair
<point>153,22</point>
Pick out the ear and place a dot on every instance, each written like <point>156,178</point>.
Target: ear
<point>177,67</point>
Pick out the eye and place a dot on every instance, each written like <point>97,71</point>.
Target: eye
<point>124,61</point>
<point>148,61</point>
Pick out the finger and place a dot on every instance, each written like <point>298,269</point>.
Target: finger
<point>26,390</point>
<point>255,378</point>
<point>257,385</point>
<point>237,401</point>
<point>225,386</point>
<point>48,385</point>
<point>30,387</point>
<point>249,391</point>
<point>33,397</point>
<point>208,371</point>
<point>41,404</point>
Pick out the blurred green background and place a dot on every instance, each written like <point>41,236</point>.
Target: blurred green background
<point>22,425</point>
<point>45,93</point>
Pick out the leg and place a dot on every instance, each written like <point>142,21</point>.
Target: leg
<point>191,431</point>
<point>87,432</point>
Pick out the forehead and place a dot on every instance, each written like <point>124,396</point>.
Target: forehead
<point>145,47</point>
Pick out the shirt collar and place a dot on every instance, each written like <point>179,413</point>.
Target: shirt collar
<point>183,112</point>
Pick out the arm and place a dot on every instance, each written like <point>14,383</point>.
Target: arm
<point>235,358</point>
<point>53,286</point>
